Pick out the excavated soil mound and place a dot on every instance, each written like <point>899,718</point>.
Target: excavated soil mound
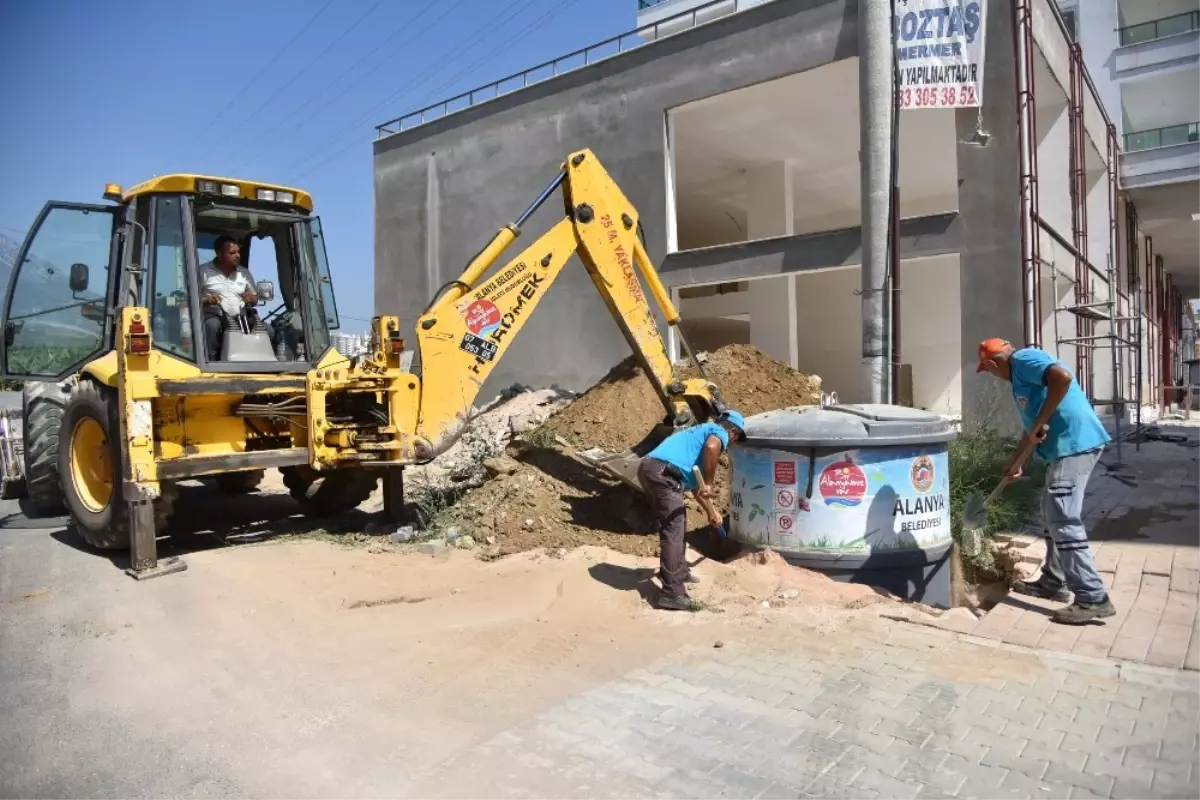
<point>620,410</point>
<point>547,499</point>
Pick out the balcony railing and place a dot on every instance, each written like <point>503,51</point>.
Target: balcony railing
<point>600,51</point>
<point>1162,137</point>
<point>1160,28</point>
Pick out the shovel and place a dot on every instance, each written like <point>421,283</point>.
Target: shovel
<point>974,513</point>
<point>974,518</point>
<point>707,503</point>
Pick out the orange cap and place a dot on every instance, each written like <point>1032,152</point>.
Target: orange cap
<point>989,348</point>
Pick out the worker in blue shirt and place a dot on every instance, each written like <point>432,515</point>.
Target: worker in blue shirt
<point>1061,426</point>
<point>665,474</point>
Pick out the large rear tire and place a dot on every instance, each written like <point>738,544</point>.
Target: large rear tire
<point>89,462</point>
<point>240,482</point>
<point>339,491</point>
<point>42,405</point>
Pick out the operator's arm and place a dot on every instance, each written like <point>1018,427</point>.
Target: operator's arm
<point>1058,382</point>
<point>708,463</point>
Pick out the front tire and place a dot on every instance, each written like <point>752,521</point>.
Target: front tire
<point>338,491</point>
<point>89,462</point>
<point>42,405</point>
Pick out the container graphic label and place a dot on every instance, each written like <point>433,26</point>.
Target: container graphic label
<point>785,499</point>
<point>921,473</point>
<point>843,483</point>
<point>783,532</point>
<point>863,500</point>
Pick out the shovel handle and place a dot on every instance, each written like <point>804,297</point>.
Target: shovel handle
<point>996,492</point>
<point>707,503</point>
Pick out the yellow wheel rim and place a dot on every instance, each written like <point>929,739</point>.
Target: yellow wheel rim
<point>91,464</point>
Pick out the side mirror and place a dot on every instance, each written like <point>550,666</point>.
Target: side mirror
<point>79,277</point>
<point>265,291</point>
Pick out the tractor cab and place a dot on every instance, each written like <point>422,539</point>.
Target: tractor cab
<point>151,248</point>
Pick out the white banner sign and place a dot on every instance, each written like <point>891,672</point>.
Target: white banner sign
<point>939,52</point>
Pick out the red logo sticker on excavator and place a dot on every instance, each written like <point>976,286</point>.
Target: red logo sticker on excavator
<point>482,317</point>
<point>843,484</point>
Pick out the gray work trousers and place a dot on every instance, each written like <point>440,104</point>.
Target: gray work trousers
<point>1069,560</point>
<point>665,490</point>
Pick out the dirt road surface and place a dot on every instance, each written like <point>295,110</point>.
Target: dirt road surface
<point>301,668</point>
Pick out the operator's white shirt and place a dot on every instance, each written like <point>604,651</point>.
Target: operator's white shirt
<point>230,289</point>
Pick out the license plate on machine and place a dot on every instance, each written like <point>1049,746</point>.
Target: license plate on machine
<point>480,348</point>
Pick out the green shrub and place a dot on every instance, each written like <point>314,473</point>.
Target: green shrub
<point>977,462</point>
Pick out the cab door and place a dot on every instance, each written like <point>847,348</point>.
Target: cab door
<point>56,312</point>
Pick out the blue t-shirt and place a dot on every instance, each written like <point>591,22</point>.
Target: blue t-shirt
<point>682,449</point>
<point>1074,426</point>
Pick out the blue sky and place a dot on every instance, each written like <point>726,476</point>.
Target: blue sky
<point>117,92</point>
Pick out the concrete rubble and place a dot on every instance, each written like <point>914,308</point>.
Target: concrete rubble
<point>478,454</point>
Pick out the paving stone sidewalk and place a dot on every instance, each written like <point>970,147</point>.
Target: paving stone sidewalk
<point>1143,520</point>
<point>874,708</point>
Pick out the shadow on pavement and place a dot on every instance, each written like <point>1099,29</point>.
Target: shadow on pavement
<point>206,518</point>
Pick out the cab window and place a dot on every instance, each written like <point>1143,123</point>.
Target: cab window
<point>57,308</point>
<point>172,318</point>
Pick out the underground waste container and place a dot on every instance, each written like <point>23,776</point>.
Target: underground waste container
<point>858,492</point>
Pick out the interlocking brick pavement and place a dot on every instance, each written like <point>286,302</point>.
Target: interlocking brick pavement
<point>873,708</point>
<point>1142,521</point>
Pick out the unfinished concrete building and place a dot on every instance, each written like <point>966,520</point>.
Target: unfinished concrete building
<point>734,128</point>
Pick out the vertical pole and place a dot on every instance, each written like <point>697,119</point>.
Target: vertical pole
<point>896,355</point>
<point>876,91</point>
<point>1027,146</point>
<point>1117,344</point>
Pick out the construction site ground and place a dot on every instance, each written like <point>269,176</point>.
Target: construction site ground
<point>284,663</point>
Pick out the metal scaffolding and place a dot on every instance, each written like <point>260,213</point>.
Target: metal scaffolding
<point>1123,333</point>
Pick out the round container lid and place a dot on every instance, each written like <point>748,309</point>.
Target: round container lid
<point>851,425</point>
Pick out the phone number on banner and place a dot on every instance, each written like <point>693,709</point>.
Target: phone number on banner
<point>938,97</point>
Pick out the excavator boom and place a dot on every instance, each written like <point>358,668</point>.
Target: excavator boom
<point>472,322</point>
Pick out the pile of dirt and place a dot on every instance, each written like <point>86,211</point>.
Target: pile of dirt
<point>622,407</point>
<point>542,497</point>
<point>763,576</point>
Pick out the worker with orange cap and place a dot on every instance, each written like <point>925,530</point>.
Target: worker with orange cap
<point>1062,427</point>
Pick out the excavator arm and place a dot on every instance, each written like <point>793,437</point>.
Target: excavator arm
<point>472,322</point>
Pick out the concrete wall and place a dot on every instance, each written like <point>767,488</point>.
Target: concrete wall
<point>1097,25</point>
<point>989,191</point>
<point>829,340</point>
<point>442,189</point>
<point>829,314</point>
<point>825,326</point>
<point>774,316</point>
<point>921,237</point>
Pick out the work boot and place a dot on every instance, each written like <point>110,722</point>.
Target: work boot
<point>1082,613</point>
<point>679,602</point>
<point>1039,589</point>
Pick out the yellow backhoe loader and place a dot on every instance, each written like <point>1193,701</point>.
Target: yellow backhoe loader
<point>136,379</point>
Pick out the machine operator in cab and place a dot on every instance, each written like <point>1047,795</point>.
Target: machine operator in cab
<point>665,474</point>
<point>226,288</point>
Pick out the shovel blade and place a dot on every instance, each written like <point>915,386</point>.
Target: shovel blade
<point>974,513</point>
